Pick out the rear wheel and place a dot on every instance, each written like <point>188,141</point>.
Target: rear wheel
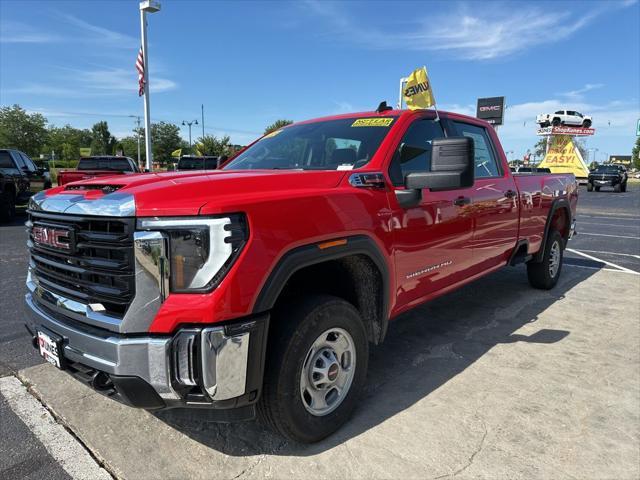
<point>597,189</point>
<point>316,368</point>
<point>589,187</point>
<point>555,122</point>
<point>624,187</point>
<point>617,188</point>
<point>586,123</point>
<point>545,274</point>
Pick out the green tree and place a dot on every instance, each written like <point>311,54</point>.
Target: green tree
<point>278,124</point>
<point>635,154</point>
<point>21,130</point>
<point>102,141</point>
<point>540,148</point>
<point>212,145</point>
<point>66,141</point>
<point>130,146</point>
<point>165,138</point>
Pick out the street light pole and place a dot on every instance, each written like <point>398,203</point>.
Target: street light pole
<point>137,117</point>
<point>150,6</point>
<point>193,122</point>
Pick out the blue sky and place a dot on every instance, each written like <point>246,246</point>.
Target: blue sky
<point>251,63</point>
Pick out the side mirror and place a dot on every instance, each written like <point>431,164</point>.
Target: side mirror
<point>452,165</point>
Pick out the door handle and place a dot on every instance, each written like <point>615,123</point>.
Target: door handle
<point>460,201</point>
<point>510,194</point>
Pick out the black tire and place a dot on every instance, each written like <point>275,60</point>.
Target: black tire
<point>589,187</point>
<point>586,124</point>
<point>617,188</point>
<point>540,273</point>
<point>294,330</point>
<point>624,187</point>
<point>7,207</point>
<point>597,189</point>
<point>555,122</point>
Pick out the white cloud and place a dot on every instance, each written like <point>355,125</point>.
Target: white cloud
<point>18,32</point>
<point>496,30</point>
<point>93,83</point>
<point>579,93</point>
<point>98,34</point>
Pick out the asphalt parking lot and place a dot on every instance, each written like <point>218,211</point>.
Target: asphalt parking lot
<point>496,380</point>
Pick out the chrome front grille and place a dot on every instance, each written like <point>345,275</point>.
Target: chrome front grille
<point>97,269</point>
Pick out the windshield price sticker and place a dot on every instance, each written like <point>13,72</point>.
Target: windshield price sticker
<point>373,122</point>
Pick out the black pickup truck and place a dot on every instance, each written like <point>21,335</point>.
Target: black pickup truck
<point>19,179</point>
<point>608,176</point>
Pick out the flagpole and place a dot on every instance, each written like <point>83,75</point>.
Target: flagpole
<point>151,6</point>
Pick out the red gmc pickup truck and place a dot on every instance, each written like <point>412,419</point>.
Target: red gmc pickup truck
<point>91,167</point>
<point>259,287</point>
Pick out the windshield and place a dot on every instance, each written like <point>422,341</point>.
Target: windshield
<point>331,145</point>
<point>607,169</point>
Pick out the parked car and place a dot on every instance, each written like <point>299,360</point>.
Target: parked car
<point>19,179</point>
<point>564,117</point>
<point>262,286</point>
<point>98,166</point>
<point>188,162</point>
<point>608,176</point>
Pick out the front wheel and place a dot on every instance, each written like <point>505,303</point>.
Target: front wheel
<point>624,187</point>
<point>586,123</point>
<point>589,187</point>
<point>316,368</point>
<point>545,274</point>
<point>597,189</point>
<point>617,188</point>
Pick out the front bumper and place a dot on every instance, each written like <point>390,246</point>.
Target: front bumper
<point>220,367</point>
<point>607,182</point>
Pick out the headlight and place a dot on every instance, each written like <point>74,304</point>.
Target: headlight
<point>201,249</point>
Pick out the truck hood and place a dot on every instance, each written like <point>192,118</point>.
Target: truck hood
<point>184,193</point>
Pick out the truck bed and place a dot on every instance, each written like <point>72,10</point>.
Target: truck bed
<point>537,192</point>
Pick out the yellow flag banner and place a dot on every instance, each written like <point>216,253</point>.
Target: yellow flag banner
<point>85,152</point>
<point>564,157</point>
<point>176,153</point>
<point>417,92</point>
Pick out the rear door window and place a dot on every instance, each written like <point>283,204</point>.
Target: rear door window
<point>486,164</point>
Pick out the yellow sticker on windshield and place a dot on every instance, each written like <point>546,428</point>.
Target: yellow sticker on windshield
<point>272,134</point>
<point>373,122</point>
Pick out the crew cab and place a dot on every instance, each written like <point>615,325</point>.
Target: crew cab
<point>90,167</point>
<point>564,117</point>
<point>608,176</point>
<point>261,287</point>
<point>19,179</point>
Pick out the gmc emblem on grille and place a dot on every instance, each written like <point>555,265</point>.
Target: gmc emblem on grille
<point>52,237</point>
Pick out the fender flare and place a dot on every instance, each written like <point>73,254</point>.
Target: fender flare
<point>558,203</point>
<point>307,255</point>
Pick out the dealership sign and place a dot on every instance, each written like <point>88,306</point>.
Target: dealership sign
<point>573,131</point>
<point>491,110</point>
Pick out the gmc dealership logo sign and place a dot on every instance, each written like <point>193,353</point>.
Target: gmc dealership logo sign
<point>52,237</point>
<point>491,110</point>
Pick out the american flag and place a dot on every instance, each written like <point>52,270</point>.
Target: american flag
<point>140,68</point>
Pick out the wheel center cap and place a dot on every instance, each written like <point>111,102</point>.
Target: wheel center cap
<point>332,373</point>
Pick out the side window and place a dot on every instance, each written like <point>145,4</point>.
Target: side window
<point>19,160</point>
<point>485,159</point>
<point>420,134</point>
<point>5,160</point>
<point>27,161</point>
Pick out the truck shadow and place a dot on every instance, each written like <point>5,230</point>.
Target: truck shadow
<point>424,349</point>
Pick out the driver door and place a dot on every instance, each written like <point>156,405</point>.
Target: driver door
<point>432,240</point>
